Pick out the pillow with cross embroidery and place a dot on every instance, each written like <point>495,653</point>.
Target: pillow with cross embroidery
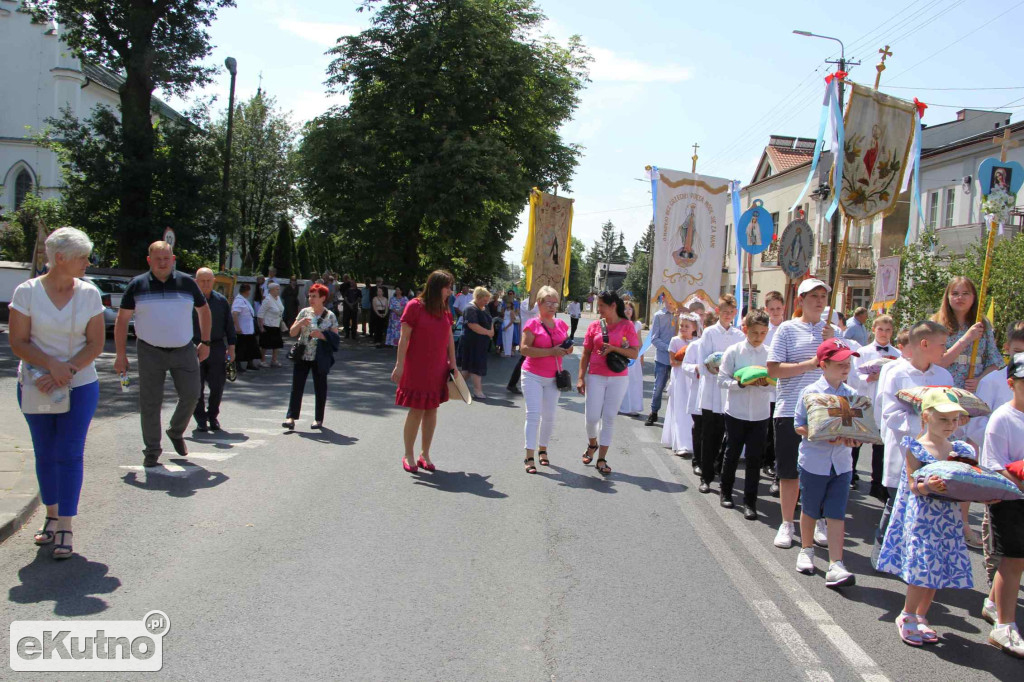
<point>833,416</point>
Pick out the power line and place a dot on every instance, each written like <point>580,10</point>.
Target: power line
<point>915,87</point>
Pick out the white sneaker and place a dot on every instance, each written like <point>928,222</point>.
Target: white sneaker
<point>784,538</point>
<point>1008,639</point>
<point>989,611</point>
<point>820,533</point>
<point>805,560</point>
<point>838,576</point>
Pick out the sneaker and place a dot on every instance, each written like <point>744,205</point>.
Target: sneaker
<point>805,560</point>
<point>784,538</point>
<point>989,611</point>
<point>773,489</point>
<point>838,576</point>
<point>820,534</point>
<point>1008,639</point>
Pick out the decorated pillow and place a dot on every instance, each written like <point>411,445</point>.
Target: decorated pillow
<point>678,355</point>
<point>874,366</point>
<point>975,406</point>
<point>714,361</point>
<point>750,374</point>
<point>966,483</point>
<point>833,416</point>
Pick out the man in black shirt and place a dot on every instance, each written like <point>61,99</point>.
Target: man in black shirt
<point>213,370</point>
<point>352,298</point>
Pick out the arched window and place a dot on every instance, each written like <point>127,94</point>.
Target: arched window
<point>22,186</point>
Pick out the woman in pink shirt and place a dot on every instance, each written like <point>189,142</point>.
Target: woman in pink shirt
<point>541,346</point>
<point>604,388</point>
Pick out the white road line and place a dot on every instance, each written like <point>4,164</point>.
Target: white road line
<point>767,611</point>
<point>785,577</point>
<point>168,469</point>
<point>212,456</point>
<point>245,444</point>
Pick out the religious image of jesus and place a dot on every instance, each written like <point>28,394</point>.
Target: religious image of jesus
<point>753,231</point>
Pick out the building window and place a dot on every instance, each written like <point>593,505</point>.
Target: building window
<point>770,256</point>
<point>859,296</point>
<point>933,210</point>
<point>949,209</point>
<point>22,187</point>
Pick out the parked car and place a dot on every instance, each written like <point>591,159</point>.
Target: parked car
<point>111,291</point>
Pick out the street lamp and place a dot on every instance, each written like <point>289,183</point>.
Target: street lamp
<point>232,67</point>
<point>843,64</point>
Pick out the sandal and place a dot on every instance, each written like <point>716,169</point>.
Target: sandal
<point>46,535</point>
<point>542,454</point>
<point>587,457</point>
<point>63,550</point>
<point>604,470</point>
<point>906,624</point>
<point>928,635</point>
<point>530,469</point>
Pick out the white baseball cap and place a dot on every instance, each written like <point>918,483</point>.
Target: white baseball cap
<point>809,285</point>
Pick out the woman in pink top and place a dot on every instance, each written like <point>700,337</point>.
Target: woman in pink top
<point>541,346</point>
<point>603,388</point>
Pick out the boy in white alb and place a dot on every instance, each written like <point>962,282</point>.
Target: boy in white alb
<point>775,306</point>
<point>715,339</point>
<point>692,371</point>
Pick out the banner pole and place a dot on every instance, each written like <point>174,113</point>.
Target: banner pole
<point>839,269</point>
<point>982,292</point>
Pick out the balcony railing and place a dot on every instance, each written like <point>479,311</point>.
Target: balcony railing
<point>859,257</point>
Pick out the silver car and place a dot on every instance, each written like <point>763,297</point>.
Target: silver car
<point>111,291</point>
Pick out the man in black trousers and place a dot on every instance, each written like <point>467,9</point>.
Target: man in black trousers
<point>213,370</point>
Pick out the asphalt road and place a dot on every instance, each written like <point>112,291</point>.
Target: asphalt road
<point>314,555</point>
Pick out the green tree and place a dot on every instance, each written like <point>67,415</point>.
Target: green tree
<point>637,278</point>
<point>284,248</point>
<point>580,277</point>
<point>925,270</point>
<point>155,44</point>
<point>305,267</point>
<point>19,235</point>
<point>453,115</point>
<point>266,259</point>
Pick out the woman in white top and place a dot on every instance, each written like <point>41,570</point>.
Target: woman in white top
<point>269,318</point>
<point>633,401</point>
<point>379,316</point>
<point>247,348</point>
<point>57,330</point>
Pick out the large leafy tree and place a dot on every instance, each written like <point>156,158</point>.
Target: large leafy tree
<point>453,115</point>
<point>154,44</point>
<point>581,276</point>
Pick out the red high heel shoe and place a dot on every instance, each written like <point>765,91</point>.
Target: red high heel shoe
<point>429,466</point>
<point>405,465</point>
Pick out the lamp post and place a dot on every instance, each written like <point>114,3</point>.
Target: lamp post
<point>232,67</point>
<point>843,65</point>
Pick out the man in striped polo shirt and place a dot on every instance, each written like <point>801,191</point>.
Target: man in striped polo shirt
<point>162,301</point>
<point>793,360</point>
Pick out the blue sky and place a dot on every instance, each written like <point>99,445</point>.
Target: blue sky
<point>668,75</point>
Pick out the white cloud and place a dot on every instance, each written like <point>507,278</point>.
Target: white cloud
<point>611,66</point>
<point>309,104</point>
<point>321,33</point>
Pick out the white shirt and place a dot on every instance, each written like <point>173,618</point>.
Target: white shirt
<point>526,313</point>
<point>271,312</point>
<point>692,370</point>
<point>51,330</point>
<point>898,418</point>
<point>462,300</point>
<point>242,306</point>
<point>266,286</point>
<point>1003,436</point>
<point>749,403</point>
<point>716,339</point>
<point>993,390</point>
<point>859,380</point>
<point>573,309</point>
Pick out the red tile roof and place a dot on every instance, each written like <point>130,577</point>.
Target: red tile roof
<point>783,159</point>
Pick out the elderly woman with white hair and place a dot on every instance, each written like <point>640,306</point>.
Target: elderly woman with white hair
<point>269,318</point>
<point>57,330</point>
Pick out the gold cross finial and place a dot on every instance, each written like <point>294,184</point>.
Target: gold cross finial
<point>694,157</point>
<point>1005,144</point>
<point>885,52</point>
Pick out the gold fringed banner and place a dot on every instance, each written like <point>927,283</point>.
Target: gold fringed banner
<point>547,252</point>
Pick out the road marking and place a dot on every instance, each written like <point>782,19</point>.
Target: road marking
<point>168,469</point>
<point>766,609</point>
<point>246,444</point>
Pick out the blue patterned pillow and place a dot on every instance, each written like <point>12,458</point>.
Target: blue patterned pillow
<point>966,483</point>
<point>714,361</point>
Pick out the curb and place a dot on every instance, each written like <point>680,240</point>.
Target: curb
<point>19,501</point>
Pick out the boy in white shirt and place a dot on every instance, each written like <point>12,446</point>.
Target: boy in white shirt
<point>716,338</point>
<point>866,383</point>
<point>746,412</point>
<point>775,306</point>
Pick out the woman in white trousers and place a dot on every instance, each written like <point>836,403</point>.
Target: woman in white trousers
<point>603,387</point>
<point>542,347</point>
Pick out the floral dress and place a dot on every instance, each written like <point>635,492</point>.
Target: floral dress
<point>397,306</point>
<point>924,543</point>
<point>988,355</point>
<point>327,321</point>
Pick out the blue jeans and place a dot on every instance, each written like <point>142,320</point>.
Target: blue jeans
<point>660,379</point>
<point>59,444</point>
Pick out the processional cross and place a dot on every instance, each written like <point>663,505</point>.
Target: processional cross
<point>881,65</point>
<point>1005,144</point>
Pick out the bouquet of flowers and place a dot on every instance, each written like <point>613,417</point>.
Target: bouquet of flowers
<point>999,203</point>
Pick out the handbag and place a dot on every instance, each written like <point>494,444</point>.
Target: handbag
<point>616,362</point>
<point>58,401</point>
<point>457,387</point>
<point>563,380</point>
<point>297,350</point>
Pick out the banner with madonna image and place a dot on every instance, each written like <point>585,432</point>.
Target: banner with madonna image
<point>546,254</point>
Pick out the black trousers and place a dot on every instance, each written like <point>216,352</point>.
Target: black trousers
<point>698,437</point>
<point>213,372</point>
<point>877,462</point>
<point>769,448</point>
<point>517,372</point>
<point>573,323</point>
<point>350,318</point>
<point>378,325</point>
<point>299,374</point>
<point>714,431</point>
<point>752,435</point>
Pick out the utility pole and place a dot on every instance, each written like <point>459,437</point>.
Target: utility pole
<point>222,251</point>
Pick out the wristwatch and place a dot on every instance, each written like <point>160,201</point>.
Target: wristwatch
<point>205,343</point>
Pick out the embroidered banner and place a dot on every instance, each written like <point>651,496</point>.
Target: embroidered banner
<point>887,283</point>
<point>546,255</point>
<point>689,242</point>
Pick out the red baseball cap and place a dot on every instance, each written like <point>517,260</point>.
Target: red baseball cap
<point>835,350</point>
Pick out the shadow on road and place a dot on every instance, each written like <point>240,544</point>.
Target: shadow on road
<point>69,583</point>
<point>459,482</point>
<point>324,435</point>
<point>197,478</point>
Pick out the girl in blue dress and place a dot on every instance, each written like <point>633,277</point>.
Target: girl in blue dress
<point>924,543</point>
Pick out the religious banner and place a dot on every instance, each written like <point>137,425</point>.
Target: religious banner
<point>878,131</point>
<point>546,255</point>
<point>796,247</point>
<point>39,263</point>
<point>887,283</point>
<point>689,218</point>
<point>755,229</point>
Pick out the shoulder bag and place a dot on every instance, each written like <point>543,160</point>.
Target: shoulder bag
<point>616,362</point>
<point>34,401</point>
<point>297,350</point>
<point>563,380</point>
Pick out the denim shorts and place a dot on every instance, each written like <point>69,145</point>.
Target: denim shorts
<point>825,497</point>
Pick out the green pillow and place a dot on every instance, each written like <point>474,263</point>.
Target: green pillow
<point>750,374</point>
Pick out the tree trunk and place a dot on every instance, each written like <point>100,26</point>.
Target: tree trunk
<point>135,226</point>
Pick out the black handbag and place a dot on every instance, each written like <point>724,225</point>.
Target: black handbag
<point>297,350</point>
<point>563,380</point>
<point>616,361</point>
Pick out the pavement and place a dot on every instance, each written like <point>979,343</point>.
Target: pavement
<point>311,554</point>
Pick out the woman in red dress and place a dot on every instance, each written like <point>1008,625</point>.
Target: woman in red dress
<point>426,352</point>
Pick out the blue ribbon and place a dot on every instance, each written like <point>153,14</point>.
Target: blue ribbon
<point>915,157</point>
<point>734,188</point>
<point>654,196</point>
<point>822,121</point>
<point>838,154</point>
<point>643,348</point>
